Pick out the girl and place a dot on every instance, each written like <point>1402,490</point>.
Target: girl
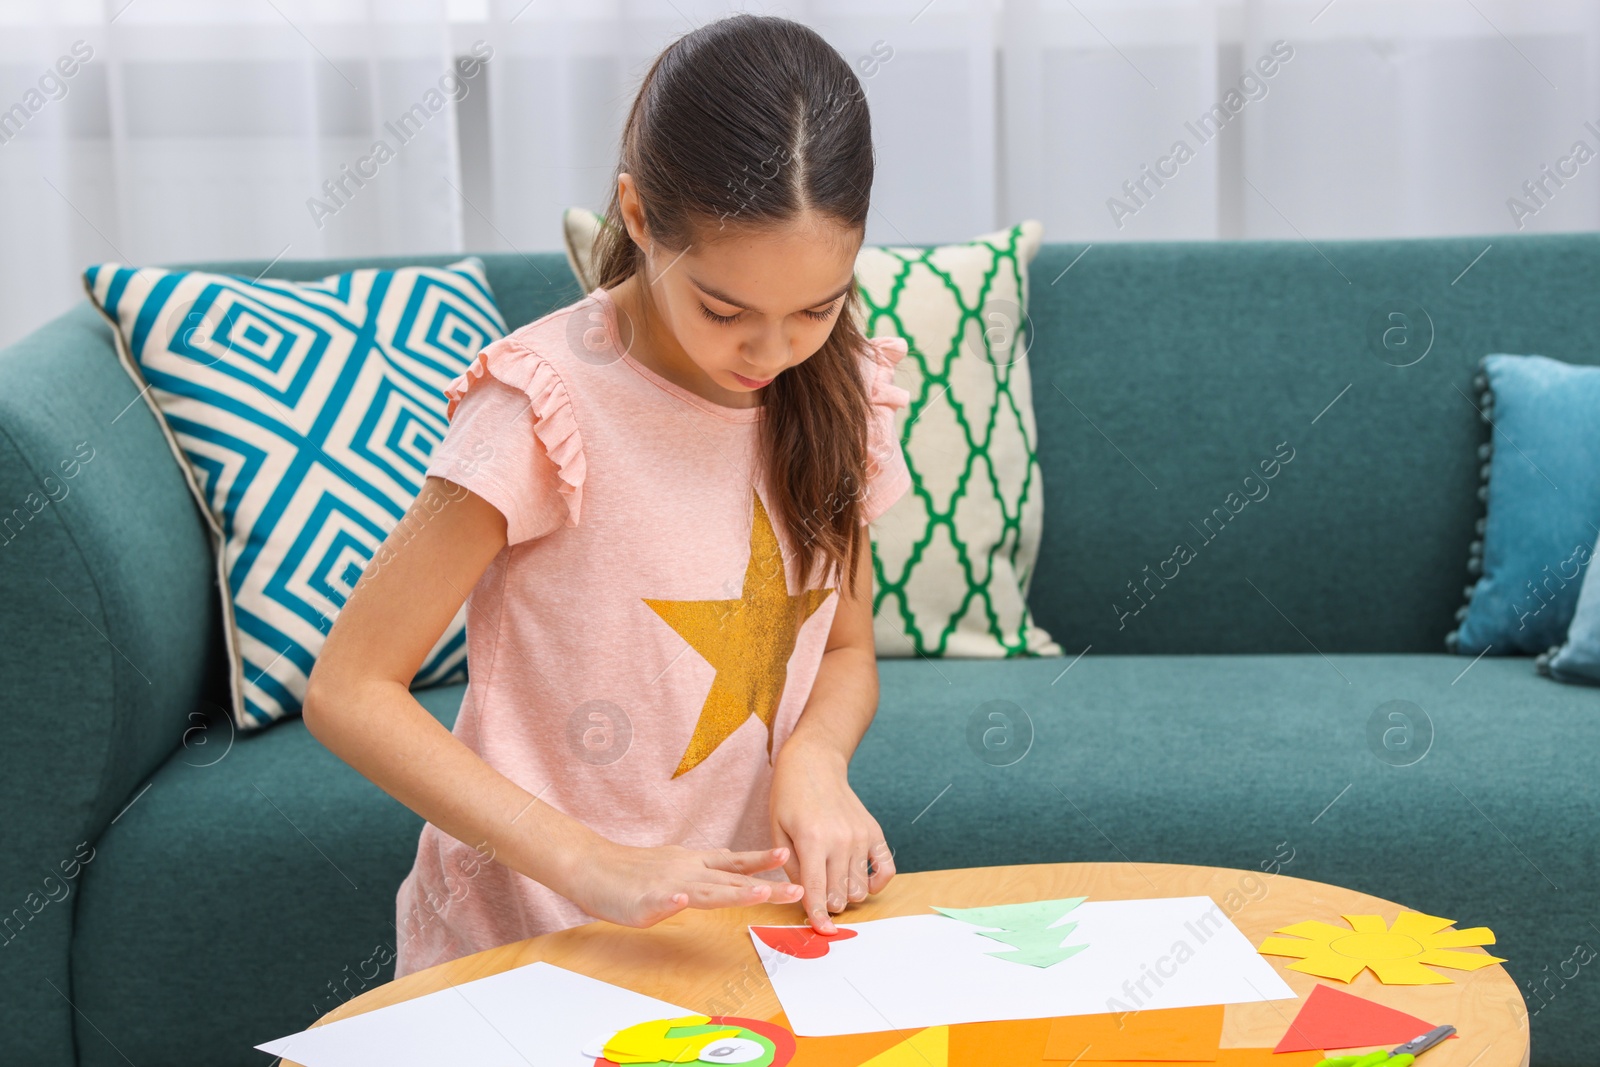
<point>653,502</point>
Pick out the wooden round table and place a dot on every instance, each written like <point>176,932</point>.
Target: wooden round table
<point>704,959</point>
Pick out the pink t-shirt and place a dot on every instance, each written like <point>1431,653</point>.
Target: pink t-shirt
<point>635,652</point>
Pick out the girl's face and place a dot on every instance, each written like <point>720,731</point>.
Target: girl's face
<point>746,305</point>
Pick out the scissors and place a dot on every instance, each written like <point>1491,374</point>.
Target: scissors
<point>1401,1056</point>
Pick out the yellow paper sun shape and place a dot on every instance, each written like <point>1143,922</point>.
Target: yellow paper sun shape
<point>1397,954</point>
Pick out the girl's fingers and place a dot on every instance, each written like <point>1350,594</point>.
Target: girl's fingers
<point>838,878</point>
<point>785,893</point>
<point>734,893</point>
<point>791,866</point>
<point>855,883</point>
<point>856,872</point>
<point>814,879</point>
<point>882,867</point>
<point>729,867</point>
<point>707,895</point>
<point>660,905</point>
<point>746,862</point>
<point>782,892</point>
<point>711,876</point>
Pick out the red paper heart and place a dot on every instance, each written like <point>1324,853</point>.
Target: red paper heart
<point>801,942</point>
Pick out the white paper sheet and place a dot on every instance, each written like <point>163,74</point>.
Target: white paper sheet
<point>538,1015</point>
<point>931,970</point>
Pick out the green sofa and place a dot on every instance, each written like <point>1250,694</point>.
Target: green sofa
<point>174,894</point>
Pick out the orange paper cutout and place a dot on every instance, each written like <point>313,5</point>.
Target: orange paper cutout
<point>1173,1034</point>
<point>1265,1057</point>
<point>1226,1057</point>
<point>1013,1042</point>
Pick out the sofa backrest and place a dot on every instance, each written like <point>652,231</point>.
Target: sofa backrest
<point>1166,374</point>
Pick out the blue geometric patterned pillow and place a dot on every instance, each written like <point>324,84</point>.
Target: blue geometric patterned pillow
<point>303,416</point>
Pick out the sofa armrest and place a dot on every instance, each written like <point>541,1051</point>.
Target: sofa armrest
<point>109,612</point>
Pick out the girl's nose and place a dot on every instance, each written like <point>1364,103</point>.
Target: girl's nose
<point>768,354</point>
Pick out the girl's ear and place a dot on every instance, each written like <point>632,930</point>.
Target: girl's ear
<point>632,211</point>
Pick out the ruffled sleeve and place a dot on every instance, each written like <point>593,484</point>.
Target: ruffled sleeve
<point>888,477</point>
<point>554,424</point>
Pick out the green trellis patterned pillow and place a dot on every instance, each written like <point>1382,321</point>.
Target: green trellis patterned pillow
<point>953,558</point>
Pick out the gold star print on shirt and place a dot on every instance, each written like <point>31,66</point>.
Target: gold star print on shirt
<point>748,641</point>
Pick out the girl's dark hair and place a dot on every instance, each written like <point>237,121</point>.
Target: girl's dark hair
<point>749,121</point>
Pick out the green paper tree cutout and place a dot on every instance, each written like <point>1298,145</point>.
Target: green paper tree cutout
<point>1027,928</point>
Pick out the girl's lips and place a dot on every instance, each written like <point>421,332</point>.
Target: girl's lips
<point>751,383</point>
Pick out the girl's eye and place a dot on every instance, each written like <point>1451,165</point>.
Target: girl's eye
<point>714,317</point>
<point>819,316</point>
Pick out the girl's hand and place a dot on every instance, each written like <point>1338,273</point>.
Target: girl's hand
<point>839,851</point>
<point>641,886</point>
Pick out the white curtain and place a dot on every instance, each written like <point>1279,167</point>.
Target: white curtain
<point>193,129</point>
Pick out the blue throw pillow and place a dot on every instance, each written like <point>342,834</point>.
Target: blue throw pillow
<point>1542,488</point>
<point>303,416</point>
<point>1578,660</point>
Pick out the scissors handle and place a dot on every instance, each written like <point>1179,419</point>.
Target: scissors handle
<point>1371,1059</point>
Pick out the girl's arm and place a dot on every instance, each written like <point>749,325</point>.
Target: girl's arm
<point>840,854</point>
<point>358,703</point>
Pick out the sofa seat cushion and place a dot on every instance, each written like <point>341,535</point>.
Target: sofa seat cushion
<point>240,897</point>
<point>236,902</point>
<point>1274,763</point>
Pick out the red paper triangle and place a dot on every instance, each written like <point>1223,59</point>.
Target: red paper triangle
<point>1333,1019</point>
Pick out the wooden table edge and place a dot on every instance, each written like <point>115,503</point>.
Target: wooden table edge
<point>908,894</point>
